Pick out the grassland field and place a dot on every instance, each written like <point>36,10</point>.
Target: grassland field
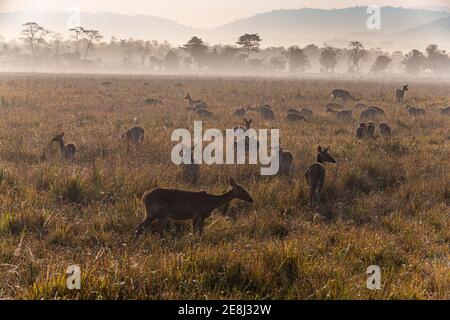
<point>386,201</point>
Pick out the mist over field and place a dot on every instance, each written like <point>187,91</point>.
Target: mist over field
<point>292,42</point>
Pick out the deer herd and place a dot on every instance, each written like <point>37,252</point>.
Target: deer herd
<point>162,204</point>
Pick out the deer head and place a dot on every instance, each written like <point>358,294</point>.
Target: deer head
<point>59,137</point>
<point>239,192</point>
<point>324,156</point>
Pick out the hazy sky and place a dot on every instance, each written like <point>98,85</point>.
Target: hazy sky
<point>200,13</point>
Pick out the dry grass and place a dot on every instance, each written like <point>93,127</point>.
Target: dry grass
<point>387,200</point>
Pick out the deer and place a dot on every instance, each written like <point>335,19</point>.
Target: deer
<point>361,131</point>
<point>315,175</point>
<point>286,160</point>
<point>163,203</point>
<point>68,151</point>
<point>192,103</point>
<point>370,131</point>
<point>445,110</point>
<point>135,135</point>
<point>344,114</point>
<point>384,129</point>
<point>334,106</point>
<point>415,111</point>
<point>152,102</point>
<point>400,93</point>
<point>247,125</point>
<point>295,117</point>
<point>369,113</point>
<point>343,94</point>
<point>240,112</point>
<point>205,114</point>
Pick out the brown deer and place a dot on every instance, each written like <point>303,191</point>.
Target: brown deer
<point>361,131</point>
<point>315,175</point>
<point>192,102</point>
<point>384,129</point>
<point>343,94</point>
<point>135,135</point>
<point>400,93</point>
<point>295,117</point>
<point>344,114</point>
<point>162,204</point>
<point>445,110</point>
<point>68,151</point>
<point>286,160</point>
<point>370,131</point>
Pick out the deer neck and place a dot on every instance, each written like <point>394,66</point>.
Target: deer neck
<point>61,144</point>
<point>319,159</point>
<point>217,201</point>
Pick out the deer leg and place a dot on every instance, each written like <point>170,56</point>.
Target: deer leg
<point>198,223</point>
<point>161,226</point>
<point>320,190</point>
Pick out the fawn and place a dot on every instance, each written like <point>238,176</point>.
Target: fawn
<point>69,150</point>
<point>315,175</point>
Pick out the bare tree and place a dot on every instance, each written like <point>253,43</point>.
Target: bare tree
<point>57,40</point>
<point>33,35</point>
<point>328,58</point>
<point>90,37</point>
<point>77,36</point>
<point>356,53</point>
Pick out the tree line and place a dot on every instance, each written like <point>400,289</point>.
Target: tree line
<point>40,47</point>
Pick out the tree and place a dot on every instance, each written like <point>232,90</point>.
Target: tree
<point>90,37</point>
<point>249,42</point>
<point>381,63</point>
<point>297,59</point>
<point>414,61</point>
<point>33,35</point>
<point>172,61</point>
<point>197,50</point>
<point>278,64</point>
<point>356,53</point>
<point>77,36</point>
<point>328,58</point>
<point>57,39</point>
<point>436,59</point>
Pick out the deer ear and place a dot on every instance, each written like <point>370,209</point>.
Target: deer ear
<point>251,120</point>
<point>233,182</point>
<point>319,148</point>
<point>328,148</point>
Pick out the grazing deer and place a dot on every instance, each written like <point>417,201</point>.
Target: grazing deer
<point>240,112</point>
<point>192,103</point>
<point>400,93</point>
<point>343,94</point>
<point>368,113</point>
<point>344,115</point>
<point>292,110</point>
<point>334,106</point>
<point>135,135</point>
<point>295,117</point>
<point>68,151</point>
<point>378,110</point>
<point>286,160</point>
<point>370,129</point>
<point>415,111</point>
<point>315,175</point>
<point>361,131</point>
<point>152,102</point>
<point>205,113</point>
<point>307,113</point>
<point>384,129</point>
<point>360,105</point>
<point>267,113</point>
<point>445,110</point>
<point>161,203</point>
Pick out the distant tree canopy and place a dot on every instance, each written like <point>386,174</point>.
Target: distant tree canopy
<point>298,61</point>
<point>86,47</point>
<point>197,49</point>
<point>328,59</point>
<point>249,42</point>
<point>381,64</point>
<point>357,52</point>
<point>414,61</point>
